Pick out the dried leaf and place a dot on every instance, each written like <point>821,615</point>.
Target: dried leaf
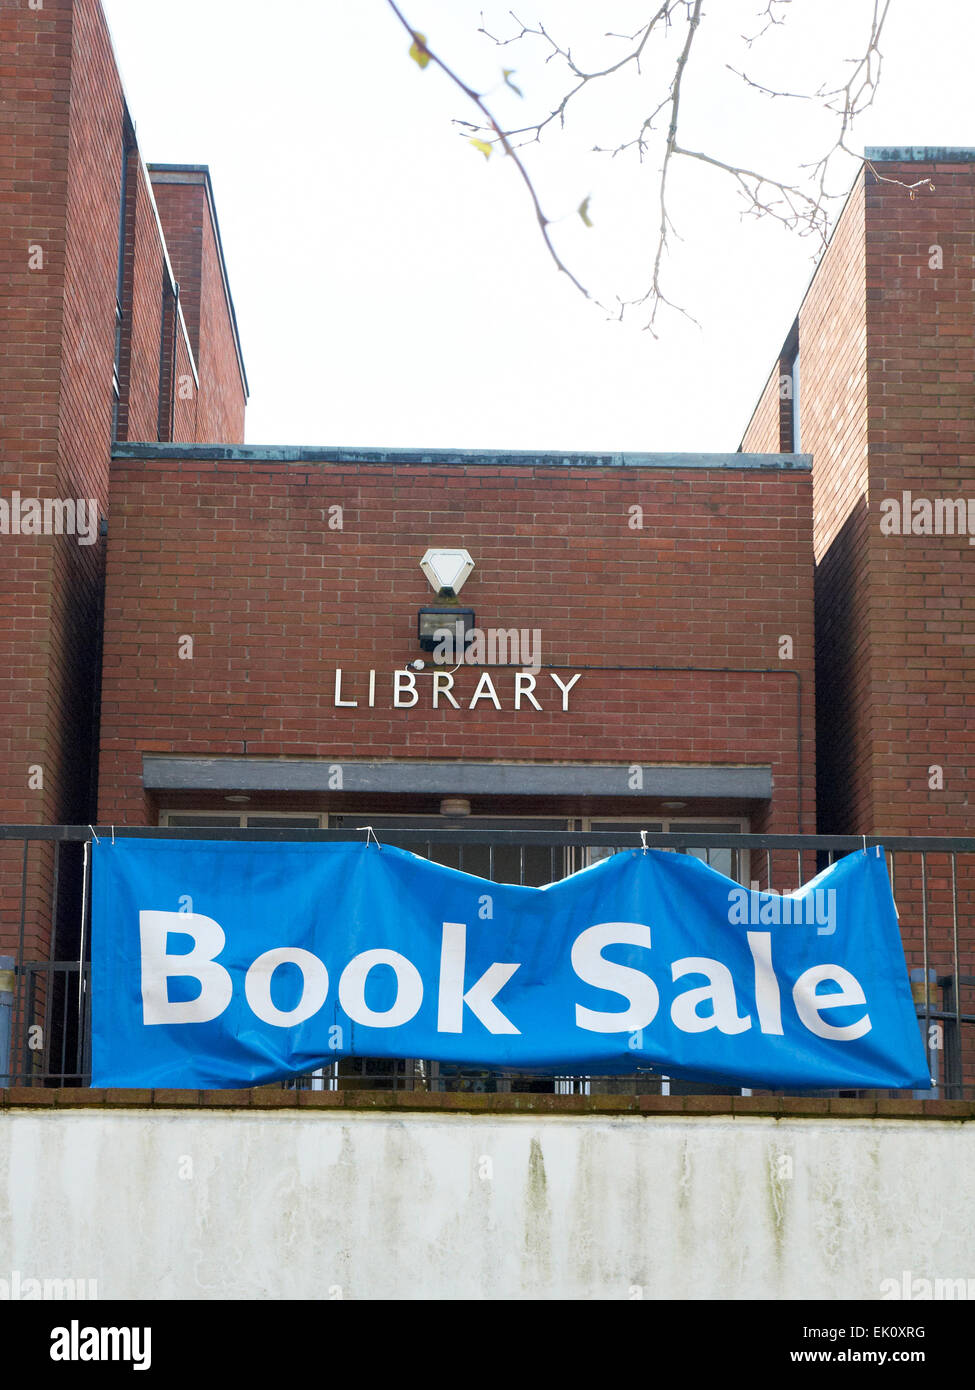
<point>419,52</point>
<point>583,211</point>
<point>508,74</point>
<point>481,145</point>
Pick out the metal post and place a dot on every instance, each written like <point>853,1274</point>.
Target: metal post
<point>6,1017</point>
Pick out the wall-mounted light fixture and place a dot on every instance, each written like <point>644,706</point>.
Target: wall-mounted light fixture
<point>447,572</point>
<point>434,621</point>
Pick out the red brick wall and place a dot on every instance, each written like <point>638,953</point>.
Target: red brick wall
<point>833,428</point>
<point>833,424</point>
<point>35,77</point>
<point>887,404</point>
<point>764,432</point>
<point>239,556</point>
<point>61,150</point>
<point>145,265</point>
<point>921,327</point>
<point>59,181</point>
<point>187,396</point>
<point>220,413</point>
<point>182,208</point>
<point>184,211</point>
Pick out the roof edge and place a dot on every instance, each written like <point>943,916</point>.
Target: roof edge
<point>460,458</point>
<point>920,154</point>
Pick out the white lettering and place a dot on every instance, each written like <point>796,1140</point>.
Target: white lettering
<point>565,687</point>
<point>720,990</point>
<point>480,997</point>
<point>404,683</point>
<point>524,685</point>
<point>443,683</point>
<point>349,704</point>
<point>768,1000</point>
<point>485,691</point>
<point>635,986</point>
<point>216,986</point>
<point>352,989</point>
<point>809,1004</point>
<point>314,986</point>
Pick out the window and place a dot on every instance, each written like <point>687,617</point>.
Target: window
<point>789,437</point>
<point>532,865</point>
<point>796,449</point>
<point>733,863</point>
<point>128,145</point>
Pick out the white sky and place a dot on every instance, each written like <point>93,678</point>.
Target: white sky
<point>391,285</point>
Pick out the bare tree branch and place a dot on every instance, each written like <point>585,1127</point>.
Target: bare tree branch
<point>854,97</point>
<point>503,141</point>
<point>801,206</point>
<point>655,292</point>
<point>584,78</point>
<point>769,15</point>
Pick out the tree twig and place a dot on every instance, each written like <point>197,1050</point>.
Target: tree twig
<point>503,141</point>
<point>801,207</point>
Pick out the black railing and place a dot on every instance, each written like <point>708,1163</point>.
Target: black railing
<point>45,897</point>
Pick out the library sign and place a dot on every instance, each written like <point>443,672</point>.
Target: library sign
<point>230,964</point>
<point>433,689</point>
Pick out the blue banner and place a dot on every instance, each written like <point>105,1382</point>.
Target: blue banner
<point>230,964</point>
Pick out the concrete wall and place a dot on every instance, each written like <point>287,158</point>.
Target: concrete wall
<point>316,1204</point>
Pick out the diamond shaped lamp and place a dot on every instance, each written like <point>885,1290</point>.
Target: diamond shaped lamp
<point>447,570</point>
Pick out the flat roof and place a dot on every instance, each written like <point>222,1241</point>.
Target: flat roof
<point>919,154</point>
<point>460,458</point>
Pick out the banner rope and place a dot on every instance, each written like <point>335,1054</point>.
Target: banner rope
<point>84,913</point>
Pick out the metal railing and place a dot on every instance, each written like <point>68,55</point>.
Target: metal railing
<point>45,1025</point>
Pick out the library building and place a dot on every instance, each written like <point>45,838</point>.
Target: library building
<point>501,660</point>
<point>230,671</point>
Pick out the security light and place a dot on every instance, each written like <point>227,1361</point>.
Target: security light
<point>432,623</point>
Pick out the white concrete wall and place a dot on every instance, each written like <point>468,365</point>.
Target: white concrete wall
<point>230,1204</point>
